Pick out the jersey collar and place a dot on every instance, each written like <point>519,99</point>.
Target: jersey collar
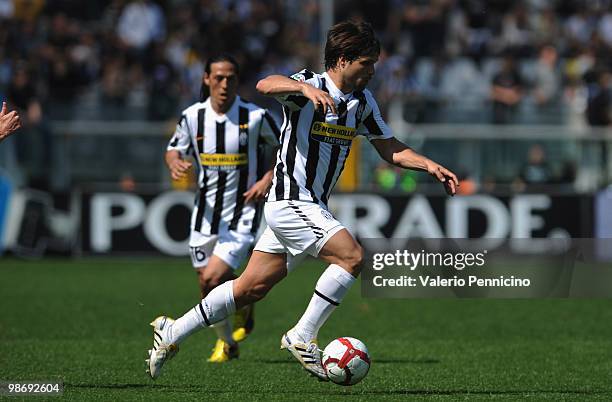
<point>222,117</point>
<point>333,89</point>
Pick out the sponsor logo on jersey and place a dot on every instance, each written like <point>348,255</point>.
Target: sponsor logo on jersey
<point>332,133</point>
<point>223,161</point>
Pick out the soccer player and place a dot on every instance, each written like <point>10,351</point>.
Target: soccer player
<point>224,134</point>
<point>9,122</point>
<point>323,113</point>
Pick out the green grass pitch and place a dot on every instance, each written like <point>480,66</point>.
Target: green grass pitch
<point>85,322</point>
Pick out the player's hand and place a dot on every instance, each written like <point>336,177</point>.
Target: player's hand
<point>259,190</point>
<point>322,100</point>
<point>178,168</point>
<point>9,122</point>
<point>445,176</point>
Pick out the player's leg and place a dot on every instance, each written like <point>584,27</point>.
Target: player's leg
<point>210,270</point>
<point>263,271</point>
<point>344,256</point>
<point>214,266</point>
<point>214,274</point>
<point>234,248</point>
<point>305,228</point>
<point>266,267</point>
<point>231,249</point>
<point>244,322</point>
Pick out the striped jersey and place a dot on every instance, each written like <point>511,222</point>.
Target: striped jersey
<point>227,151</point>
<point>314,147</point>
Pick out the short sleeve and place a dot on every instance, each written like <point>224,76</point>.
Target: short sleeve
<point>269,132</point>
<point>297,101</point>
<point>180,140</point>
<point>373,126</point>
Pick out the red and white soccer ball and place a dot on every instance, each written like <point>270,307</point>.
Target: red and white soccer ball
<point>346,361</point>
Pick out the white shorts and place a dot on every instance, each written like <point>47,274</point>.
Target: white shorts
<point>232,247</point>
<point>296,227</point>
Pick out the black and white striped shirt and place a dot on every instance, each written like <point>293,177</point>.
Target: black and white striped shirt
<point>226,150</point>
<point>314,147</point>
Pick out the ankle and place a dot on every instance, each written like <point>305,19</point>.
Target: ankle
<point>302,334</point>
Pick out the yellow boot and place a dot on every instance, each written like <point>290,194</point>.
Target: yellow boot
<point>244,321</point>
<point>223,352</point>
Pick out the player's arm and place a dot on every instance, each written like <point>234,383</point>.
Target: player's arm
<point>399,154</point>
<point>176,164</point>
<point>177,147</point>
<point>278,85</point>
<point>9,122</point>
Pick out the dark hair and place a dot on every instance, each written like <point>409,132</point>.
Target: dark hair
<point>350,40</point>
<point>216,59</point>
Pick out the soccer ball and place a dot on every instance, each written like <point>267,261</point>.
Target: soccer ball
<point>346,361</point>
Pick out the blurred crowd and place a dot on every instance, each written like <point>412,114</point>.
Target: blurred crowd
<point>142,59</point>
<point>448,61</point>
<point>530,61</point>
<point>506,61</point>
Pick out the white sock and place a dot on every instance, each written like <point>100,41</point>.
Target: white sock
<point>329,292</point>
<point>216,306</point>
<point>224,330</point>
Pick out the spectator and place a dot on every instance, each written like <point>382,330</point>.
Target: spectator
<point>426,23</point>
<point>605,28</point>
<point>546,89</point>
<point>537,170</point>
<point>506,91</point>
<point>164,89</point>
<point>114,86</point>
<point>7,9</point>
<point>140,23</point>
<point>517,34</point>
<point>579,27</point>
<point>396,82</point>
<point>35,145</point>
<point>598,101</point>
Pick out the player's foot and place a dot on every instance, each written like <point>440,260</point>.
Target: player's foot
<point>163,350</point>
<point>244,321</point>
<point>307,353</point>
<point>223,352</point>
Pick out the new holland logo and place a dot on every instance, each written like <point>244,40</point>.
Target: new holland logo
<point>223,161</point>
<point>332,133</point>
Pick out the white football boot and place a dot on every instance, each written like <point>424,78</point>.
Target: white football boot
<point>307,353</point>
<point>163,350</point>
